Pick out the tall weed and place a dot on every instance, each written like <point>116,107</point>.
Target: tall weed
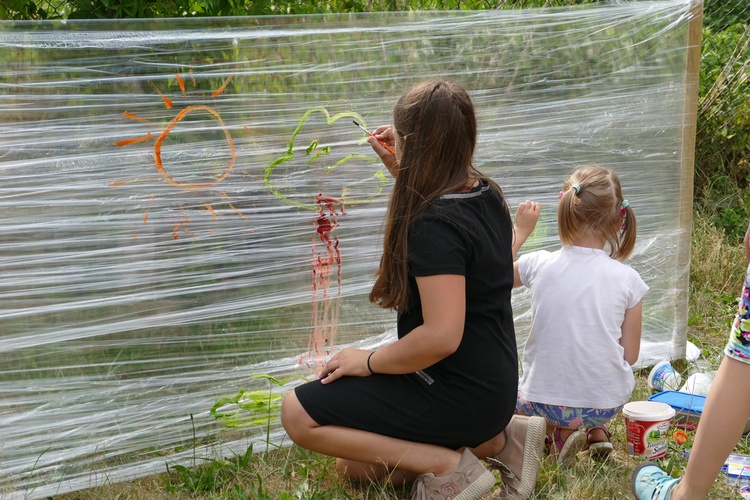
<point>716,272</point>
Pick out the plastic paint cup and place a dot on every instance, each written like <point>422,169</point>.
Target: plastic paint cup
<point>664,377</point>
<point>646,424</point>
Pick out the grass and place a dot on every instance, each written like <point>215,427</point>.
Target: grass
<point>294,473</point>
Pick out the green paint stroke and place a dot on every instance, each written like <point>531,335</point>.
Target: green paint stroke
<point>250,408</point>
<point>316,153</point>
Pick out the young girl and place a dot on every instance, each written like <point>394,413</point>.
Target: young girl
<point>586,314</point>
<point>449,382</point>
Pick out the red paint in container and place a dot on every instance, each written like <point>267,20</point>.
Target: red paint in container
<point>647,425</point>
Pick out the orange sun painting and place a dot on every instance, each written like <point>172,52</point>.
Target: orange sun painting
<point>166,171</point>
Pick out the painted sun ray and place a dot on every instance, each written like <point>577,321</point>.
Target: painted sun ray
<point>184,212</point>
<point>129,181</point>
<point>145,215</point>
<point>128,114</point>
<point>226,196</point>
<point>167,100</point>
<point>222,87</point>
<point>134,140</point>
<point>213,212</point>
<point>181,83</point>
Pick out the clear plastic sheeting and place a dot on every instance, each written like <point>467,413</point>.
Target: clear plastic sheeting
<point>187,204</point>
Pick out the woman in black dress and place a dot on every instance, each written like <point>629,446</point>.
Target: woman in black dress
<point>425,407</point>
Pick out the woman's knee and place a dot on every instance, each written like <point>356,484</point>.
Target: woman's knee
<point>295,419</point>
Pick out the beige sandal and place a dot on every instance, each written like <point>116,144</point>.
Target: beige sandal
<point>568,449</point>
<point>599,449</point>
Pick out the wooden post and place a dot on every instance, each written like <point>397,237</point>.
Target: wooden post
<point>687,156</point>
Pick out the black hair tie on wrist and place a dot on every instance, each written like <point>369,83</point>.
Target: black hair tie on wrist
<point>368,363</point>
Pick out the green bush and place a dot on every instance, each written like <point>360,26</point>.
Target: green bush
<point>115,9</point>
<point>722,157</point>
<point>720,14</point>
<point>33,9</point>
<point>723,138</point>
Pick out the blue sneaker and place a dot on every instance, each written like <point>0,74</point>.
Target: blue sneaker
<point>649,482</point>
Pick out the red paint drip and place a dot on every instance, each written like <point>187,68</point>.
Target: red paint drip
<point>324,319</point>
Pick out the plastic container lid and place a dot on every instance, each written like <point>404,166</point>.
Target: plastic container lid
<point>691,404</point>
<point>663,377</point>
<point>737,468</point>
<point>681,401</point>
<point>648,411</point>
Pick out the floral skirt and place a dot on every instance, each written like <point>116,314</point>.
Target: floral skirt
<point>567,417</point>
<point>738,347</point>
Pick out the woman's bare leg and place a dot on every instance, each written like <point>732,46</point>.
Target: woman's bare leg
<point>364,472</point>
<point>361,450</point>
<point>724,416</point>
<point>360,471</point>
<point>489,448</point>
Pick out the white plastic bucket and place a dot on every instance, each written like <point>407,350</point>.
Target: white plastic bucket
<point>647,424</point>
<point>664,377</point>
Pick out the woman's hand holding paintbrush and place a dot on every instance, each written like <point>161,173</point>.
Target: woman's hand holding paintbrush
<point>379,131</point>
<point>379,140</point>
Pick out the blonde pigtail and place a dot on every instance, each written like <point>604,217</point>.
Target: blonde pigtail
<point>626,239</point>
<point>566,220</point>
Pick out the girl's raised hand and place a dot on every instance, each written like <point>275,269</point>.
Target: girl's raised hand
<point>527,216</point>
<point>351,362</point>
<point>385,135</point>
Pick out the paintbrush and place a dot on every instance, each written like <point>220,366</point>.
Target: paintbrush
<point>386,146</point>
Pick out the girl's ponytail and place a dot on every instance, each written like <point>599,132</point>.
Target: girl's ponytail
<point>626,238</point>
<point>567,222</point>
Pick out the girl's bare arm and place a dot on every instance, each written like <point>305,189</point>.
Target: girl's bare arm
<point>631,333</point>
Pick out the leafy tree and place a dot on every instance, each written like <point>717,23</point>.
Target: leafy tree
<point>114,9</point>
<point>33,9</point>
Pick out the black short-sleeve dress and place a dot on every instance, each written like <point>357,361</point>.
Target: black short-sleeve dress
<point>470,396</point>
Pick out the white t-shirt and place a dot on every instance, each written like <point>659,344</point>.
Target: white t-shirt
<point>573,355</point>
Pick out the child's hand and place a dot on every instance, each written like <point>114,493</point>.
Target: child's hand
<point>747,244</point>
<point>527,216</point>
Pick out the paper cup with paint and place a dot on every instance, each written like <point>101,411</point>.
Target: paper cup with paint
<point>664,377</point>
<point>647,426</point>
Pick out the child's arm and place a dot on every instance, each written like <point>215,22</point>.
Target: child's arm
<point>527,215</point>
<point>631,333</point>
<point>516,277</point>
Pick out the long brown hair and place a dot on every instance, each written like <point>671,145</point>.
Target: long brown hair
<point>592,204</point>
<point>436,128</point>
